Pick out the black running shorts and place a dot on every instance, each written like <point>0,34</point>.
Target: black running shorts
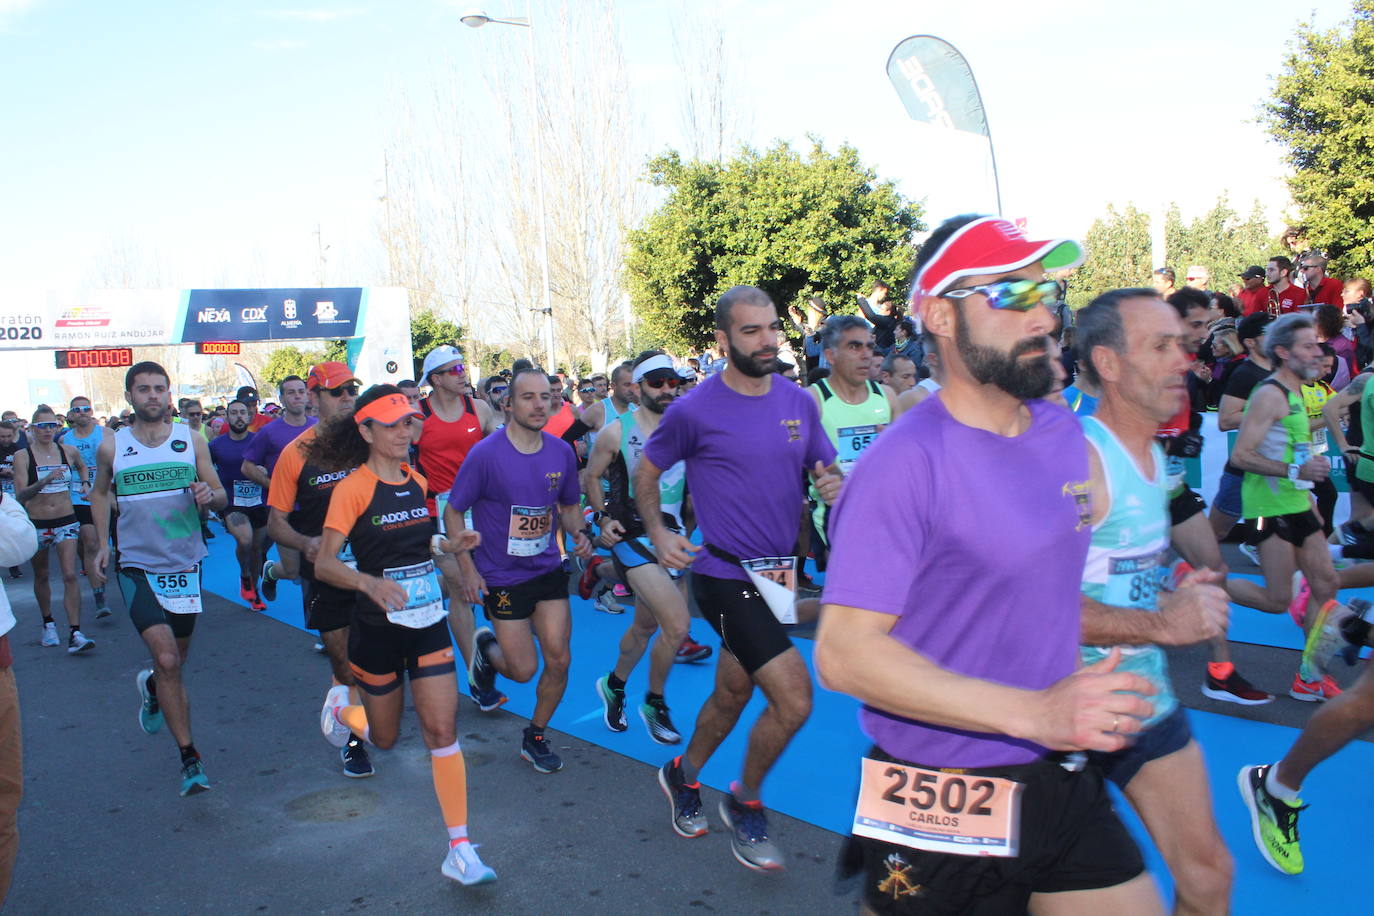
<point>517,602</point>
<point>144,608</point>
<point>326,607</point>
<point>256,515</point>
<point>739,615</point>
<point>1184,506</point>
<point>1293,528</point>
<point>1071,840</point>
<point>380,653</point>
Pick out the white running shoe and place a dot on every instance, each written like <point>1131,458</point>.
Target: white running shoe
<point>50,635</point>
<point>335,732</point>
<point>604,600</point>
<point>79,643</point>
<point>462,865</point>
<point>1251,553</point>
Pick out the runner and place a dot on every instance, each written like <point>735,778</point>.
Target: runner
<point>1255,368</point>
<point>298,502</point>
<point>927,385</point>
<point>453,423</point>
<point>748,439</point>
<point>853,409</point>
<point>85,436</point>
<point>974,698</point>
<point>398,627</point>
<point>9,444</point>
<point>662,603</point>
<point>256,421</point>
<point>161,477</point>
<point>45,474</point>
<point>260,460</point>
<point>514,484</point>
<point>245,517</point>
<point>1132,350</point>
<point>598,416</point>
<point>1274,449</point>
<point>899,373</point>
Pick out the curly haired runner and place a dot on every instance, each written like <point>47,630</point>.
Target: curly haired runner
<point>399,619</point>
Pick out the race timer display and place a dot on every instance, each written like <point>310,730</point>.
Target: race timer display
<point>103,358</point>
<point>217,348</point>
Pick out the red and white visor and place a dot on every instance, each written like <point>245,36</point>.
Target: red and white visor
<point>990,245</point>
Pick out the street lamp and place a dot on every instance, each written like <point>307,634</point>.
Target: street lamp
<point>475,19</point>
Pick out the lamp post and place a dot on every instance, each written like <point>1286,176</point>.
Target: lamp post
<point>475,19</point>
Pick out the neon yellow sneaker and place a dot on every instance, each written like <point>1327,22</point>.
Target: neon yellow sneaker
<point>1273,821</point>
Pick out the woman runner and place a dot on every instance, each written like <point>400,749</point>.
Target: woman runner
<point>399,623</point>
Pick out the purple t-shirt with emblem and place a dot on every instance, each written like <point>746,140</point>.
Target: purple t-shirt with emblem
<point>269,441</point>
<point>976,542</point>
<point>514,500</point>
<point>745,459</point>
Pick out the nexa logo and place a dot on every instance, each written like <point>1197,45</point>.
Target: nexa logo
<point>212,316</point>
<point>254,314</point>
<point>391,518</point>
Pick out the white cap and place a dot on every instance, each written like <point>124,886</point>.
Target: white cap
<point>439,356</point>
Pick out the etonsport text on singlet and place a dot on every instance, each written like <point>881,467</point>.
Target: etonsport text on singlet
<point>158,527</point>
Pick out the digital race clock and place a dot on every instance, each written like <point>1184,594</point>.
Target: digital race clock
<point>218,347</point>
<point>101,358</point>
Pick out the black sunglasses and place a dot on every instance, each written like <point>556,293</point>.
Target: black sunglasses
<point>341,390</point>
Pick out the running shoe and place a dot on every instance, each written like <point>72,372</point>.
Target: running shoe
<point>1273,821</point>
<point>612,704</point>
<point>481,673</point>
<point>256,603</point>
<point>462,865</point>
<point>657,721</point>
<point>356,763</point>
<point>269,583</point>
<point>489,700</point>
<point>1297,608</point>
<point>1235,689</point>
<point>319,647</point>
<point>691,651</point>
<point>749,835</point>
<point>78,642</point>
<point>1315,691</point>
<point>149,710</point>
<point>50,635</point>
<point>193,779</point>
<point>684,800</point>
<point>605,601</point>
<point>246,590</point>
<point>335,732</point>
<point>621,590</point>
<point>16,572</point>
<point>589,579</point>
<point>1324,640</point>
<point>102,610</point>
<point>1250,553</point>
<point>536,751</point>
<point>1351,534</point>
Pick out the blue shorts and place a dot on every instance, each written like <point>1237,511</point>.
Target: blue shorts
<point>1171,733</point>
<point>1228,495</point>
<point>633,552</point>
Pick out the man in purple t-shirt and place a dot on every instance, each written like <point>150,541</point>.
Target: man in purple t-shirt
<point>747,436</point>
<point>260,459</point>
<point>961,639</point>
<point>520,484</point>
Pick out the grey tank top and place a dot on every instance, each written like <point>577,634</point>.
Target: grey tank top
<point>159,525</point>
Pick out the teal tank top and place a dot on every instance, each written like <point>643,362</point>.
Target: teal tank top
<point>1125,566</point>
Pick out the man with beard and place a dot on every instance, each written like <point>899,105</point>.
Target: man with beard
<point>662,604</point>
<point>161,476</point>
<point>747,438</point>
<point>260,460</point>
<point>1274,449</point>
<point>245,518</point>
<point>962,638</point>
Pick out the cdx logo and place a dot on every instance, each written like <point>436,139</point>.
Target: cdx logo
<point>212,316</point>
<point>255,314</point>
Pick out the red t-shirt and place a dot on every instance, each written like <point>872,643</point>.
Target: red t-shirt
<point>1328,292</point>
<point>1290,300</point>
<point>1254,300</point>
<point>258,421</point>
<point>558,423</point>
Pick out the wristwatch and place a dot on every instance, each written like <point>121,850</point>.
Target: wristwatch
<point>1293,470</point>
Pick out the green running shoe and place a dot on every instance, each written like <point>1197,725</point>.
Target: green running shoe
<point>1273,821</point>
<point>149,711</point>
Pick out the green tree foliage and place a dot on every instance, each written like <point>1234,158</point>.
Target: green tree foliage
<point>1322,113</point>
<point>796,225</point>
<point>427,331</point>
<point>288,360</point>
<point>1118,255</point>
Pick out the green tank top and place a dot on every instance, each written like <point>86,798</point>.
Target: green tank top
<point>1289,441</point>
<point>672,483</point>
<point>1125,565</point>
<point>852,428</point>
<point>1364,468</point>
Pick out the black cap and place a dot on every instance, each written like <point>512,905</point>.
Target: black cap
<point>1253,271</point>
<point>246,393</point>
<point>1252,326</point>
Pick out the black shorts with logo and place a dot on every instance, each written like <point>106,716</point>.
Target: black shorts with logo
<point>1184,506</point>
<point>1294,528</point>
<point>741,617</point>
<point>1071,840</point>
<point>326,607</point>
<point>256,515</point>
<point>380,652</point>
<point>517,602</point>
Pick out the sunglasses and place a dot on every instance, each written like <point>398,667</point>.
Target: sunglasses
<point>1014,295</point>
<point>339,391</point>
<point>452,370</point>
<point>660,382</point>
<point>47,424</point>
<point>586,391</point>
<point>499,389</point>
<point>81,410</point>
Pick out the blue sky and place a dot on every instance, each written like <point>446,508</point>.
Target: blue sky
<point>213,137</point>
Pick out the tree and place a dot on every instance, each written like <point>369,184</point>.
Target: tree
<point>427,331</point>
<point>819,224</point>
<point>1322,113</point>
<point>1117,247</point>
<point>1218,240</point>
<point>289,360</point>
